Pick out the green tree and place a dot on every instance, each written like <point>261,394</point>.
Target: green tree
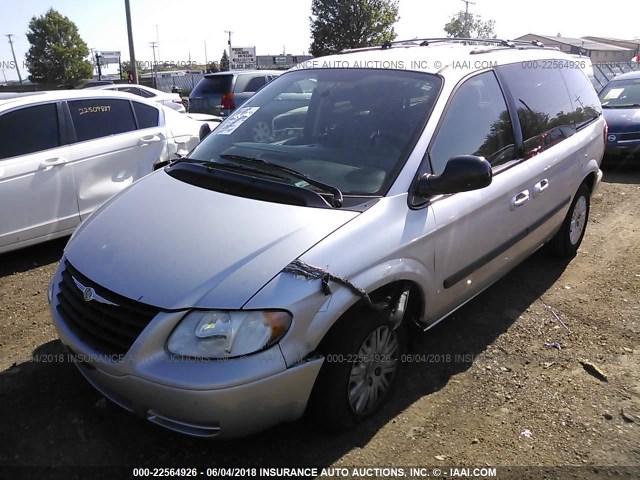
<point>475,26</point>
<point>224,62</point>
<point>57,54</point>
<point>213,67</point>
<point>340,24</point>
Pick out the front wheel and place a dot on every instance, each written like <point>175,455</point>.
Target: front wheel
<point>565,243</point>
<point>362,359</point>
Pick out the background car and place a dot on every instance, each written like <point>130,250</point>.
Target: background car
<point>171,100</point>
<point>65,153</point>
<point>93,83</point>
<point>620,99</point>
<point>222,92</point>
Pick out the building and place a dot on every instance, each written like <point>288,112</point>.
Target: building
<point>598,51</point>
<point>280,62</point>
<point>631,44</point>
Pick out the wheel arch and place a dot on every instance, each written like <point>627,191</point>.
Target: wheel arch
<point>383,295</point>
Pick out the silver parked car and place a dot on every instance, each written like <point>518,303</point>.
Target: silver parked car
<point>283,275</point>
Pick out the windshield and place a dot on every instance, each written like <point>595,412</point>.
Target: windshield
<point>621,94</point>
<point>351,129</point>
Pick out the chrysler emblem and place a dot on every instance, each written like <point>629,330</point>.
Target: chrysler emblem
<point>89,294</point>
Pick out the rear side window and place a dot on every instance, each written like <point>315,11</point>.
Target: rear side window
<point>134,90</point>
<point>476,122</point>
<point>146,93</point>
<point>219,84</point>
<point>97,118</point>
<point>586,104</point>
<point>544,108</point>
<point>255,84</point>
<point>29,130</point>
<point>146,115</point>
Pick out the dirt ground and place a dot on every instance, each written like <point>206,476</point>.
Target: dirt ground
<point>491,389</point>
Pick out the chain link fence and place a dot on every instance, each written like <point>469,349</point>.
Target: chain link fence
<point>605,72</point>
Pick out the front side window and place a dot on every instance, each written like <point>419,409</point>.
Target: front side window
<point>28,130</point>
<point>544,107</point>
<point>348,128</point>
<point>102,117</point>
<point>476,122</point>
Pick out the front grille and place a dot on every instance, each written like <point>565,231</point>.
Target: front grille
<point>628,136</point>
<point>109,329</point>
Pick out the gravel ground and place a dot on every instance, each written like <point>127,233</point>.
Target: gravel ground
<point>487,389</point>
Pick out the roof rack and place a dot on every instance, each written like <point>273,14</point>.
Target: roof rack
<point>425,42</point>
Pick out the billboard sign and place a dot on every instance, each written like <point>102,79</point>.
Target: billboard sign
<point>243,57</point>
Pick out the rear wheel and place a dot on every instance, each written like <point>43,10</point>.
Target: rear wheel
<point>566,242</point>
<point>362,359</point>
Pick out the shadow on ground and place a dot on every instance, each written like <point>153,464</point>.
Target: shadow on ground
<point>52,416</point>
<point>31,257</point>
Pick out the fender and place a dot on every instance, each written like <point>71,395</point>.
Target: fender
<point>315,313</point>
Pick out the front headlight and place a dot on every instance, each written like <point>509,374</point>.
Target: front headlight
<point>224,334</point>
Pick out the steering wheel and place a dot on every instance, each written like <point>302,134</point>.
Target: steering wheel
<point>387,139</point>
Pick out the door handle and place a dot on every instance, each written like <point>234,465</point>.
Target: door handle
<point>519,199</point>
<point>148,139</point>
<point>51,162</point>
<point>540,187</point>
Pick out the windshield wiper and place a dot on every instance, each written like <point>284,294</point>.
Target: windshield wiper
<point>337,199</point>
<point>629,105</point>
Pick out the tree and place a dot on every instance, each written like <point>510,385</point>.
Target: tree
<point>213,67</point>
<point>476,27</point>
<point>58,53</point>
<point>340,24</point>
<point>224,62</point>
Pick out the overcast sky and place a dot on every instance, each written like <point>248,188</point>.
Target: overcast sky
<point>183,27</point>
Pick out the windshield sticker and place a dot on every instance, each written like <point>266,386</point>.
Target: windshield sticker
<point>613,93</point>
<point>235,120</point>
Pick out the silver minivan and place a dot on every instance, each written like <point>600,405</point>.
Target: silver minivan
<point>285,275</point>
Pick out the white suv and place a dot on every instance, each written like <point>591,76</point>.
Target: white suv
<point>287,271</point>
<point>63,153</point>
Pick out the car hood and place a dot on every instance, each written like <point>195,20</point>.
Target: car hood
<point>621,120</point>
<point>172,245</point>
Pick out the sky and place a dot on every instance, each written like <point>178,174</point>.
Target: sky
<point>184,28</point>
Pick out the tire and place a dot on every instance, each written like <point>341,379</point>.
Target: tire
<point>567,240</point>
<point>362,360</point>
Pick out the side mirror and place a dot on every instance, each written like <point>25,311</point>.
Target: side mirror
<point>461,174</point>
<point>205,130</point>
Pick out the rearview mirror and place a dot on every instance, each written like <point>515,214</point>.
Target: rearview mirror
<point>461,174</point>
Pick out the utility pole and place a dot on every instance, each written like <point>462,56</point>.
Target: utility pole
<point>155,68</point>
<point>229,43</point>
<point>14,57</point>
<point>158,42</point>
<point>466,16</point>
<point>132,54</point>
<point>98,56</point>
<point>206,62</point>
